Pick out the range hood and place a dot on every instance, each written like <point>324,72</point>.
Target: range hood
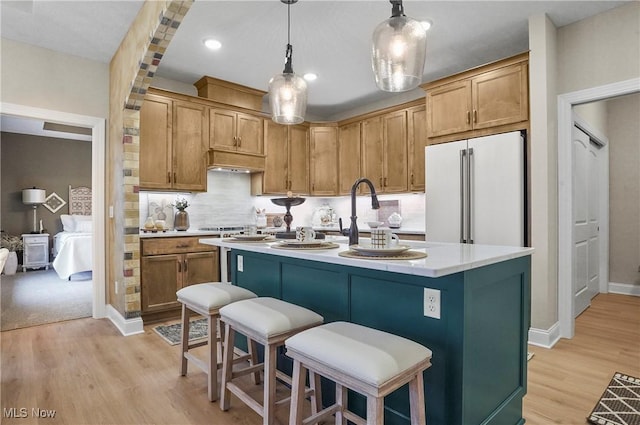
<point>234,161</point>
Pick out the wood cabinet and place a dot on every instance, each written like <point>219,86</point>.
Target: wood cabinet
<point>416,142</point>
<point>323,161</point>
<point>169,264</point>
<point>286,163</point>
<point>384,152</point>
<point>173,143</point>
<point>348,156</point>
<point>488,97</point>
<point>236,131</point>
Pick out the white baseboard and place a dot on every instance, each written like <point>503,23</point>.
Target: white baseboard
<point>126,327</point>
<point>545,338</point>
<point>624,289</point>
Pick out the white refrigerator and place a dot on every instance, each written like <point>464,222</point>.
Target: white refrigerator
<point>475,190</point>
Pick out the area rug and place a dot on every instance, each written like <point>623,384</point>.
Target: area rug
<point>172,333</point>
<point>620,403</point>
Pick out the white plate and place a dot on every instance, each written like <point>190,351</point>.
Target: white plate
<point>369,250</point>
<point>250,237</point>
<point>293,242</point>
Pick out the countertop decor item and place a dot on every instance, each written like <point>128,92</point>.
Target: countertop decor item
<point>288,218</point>
<point>181,218</point>
<point>395,220</point>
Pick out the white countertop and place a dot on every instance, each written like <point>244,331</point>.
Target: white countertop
<point>367,229</point>
<point>176,233</point>
<point>442,258</point>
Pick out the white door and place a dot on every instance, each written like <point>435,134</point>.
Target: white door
<point>443,186</point>
<point>586,220</point>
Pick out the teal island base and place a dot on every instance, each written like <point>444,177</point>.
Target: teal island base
<point>479,343</point>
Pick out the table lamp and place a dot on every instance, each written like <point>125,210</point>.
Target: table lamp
<point>34,197</point>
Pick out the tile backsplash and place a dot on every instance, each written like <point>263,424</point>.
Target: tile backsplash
<point>228,202</point>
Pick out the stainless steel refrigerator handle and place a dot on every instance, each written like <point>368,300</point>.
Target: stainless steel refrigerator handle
<point>462,152</point>
<point>469,209</point>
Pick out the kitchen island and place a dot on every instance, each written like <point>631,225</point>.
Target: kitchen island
<point>479,342</point>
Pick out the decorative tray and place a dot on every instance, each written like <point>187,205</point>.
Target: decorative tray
<point>377,252</point>
<point>406,255</point>
<point>286,244</point>
<point>153,230</point>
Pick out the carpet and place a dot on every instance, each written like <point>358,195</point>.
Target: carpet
<point>38,297</point>
<point>171,333</point>
<point>620,403</point>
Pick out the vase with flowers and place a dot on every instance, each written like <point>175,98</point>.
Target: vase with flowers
<point>13,244</point>
<point>181,218</point>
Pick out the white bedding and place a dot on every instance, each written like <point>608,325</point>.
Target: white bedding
<point>73,253</point>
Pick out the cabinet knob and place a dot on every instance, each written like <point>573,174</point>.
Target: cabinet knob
<point>168,176</point>
<point>468,117</point>
<point>239,141</point>
<point>175,180</point>
<point>475,115</point>
<point>185,266</point>
<point>179,266</point>
<point>385,182</point>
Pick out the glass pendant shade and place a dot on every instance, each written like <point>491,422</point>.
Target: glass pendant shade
<point>288,98</point>
<point>398,54</point>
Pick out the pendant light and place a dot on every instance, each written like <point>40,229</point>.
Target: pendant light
<point>398,51</point>
<point>288,91</point>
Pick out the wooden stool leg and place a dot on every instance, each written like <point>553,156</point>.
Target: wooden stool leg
<point>269,400</point>
<point>375,410</point>
<point>227,367</point>
<point>212,335</point>
<point>316,395</point>
<point>416,400</point>
<point>253,358</point>
<point>341,400</point>
<point>184,340</point>
<point>297,394</point>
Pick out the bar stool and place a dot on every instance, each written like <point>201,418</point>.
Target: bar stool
<point>206,299</point>
<point>267,321</point>
<point>368,361</point>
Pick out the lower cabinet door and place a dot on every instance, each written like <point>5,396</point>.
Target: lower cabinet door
<point>161,278</point>
<point>200,267</point>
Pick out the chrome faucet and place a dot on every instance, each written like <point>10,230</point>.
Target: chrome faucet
<point>353,230</point>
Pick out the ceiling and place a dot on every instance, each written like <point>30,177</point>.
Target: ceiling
<point>329,38</point>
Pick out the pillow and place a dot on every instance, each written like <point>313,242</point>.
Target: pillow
<point>84,226</point>
<point>68,223</point>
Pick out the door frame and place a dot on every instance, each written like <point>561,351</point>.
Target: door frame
<point>565,192</point>
<point>98,160</point>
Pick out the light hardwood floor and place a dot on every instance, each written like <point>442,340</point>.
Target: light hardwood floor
<point>90,374</point>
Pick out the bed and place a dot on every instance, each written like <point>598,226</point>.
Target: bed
<point>73,247</point>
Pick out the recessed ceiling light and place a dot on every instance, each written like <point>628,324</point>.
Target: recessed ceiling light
<point>426,24</point>
<point>310,76</point>
<point>212,44</point>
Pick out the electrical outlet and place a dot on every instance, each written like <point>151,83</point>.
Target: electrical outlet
<point>432,303</point>
<point>116,288</point>
<point>240,263</point>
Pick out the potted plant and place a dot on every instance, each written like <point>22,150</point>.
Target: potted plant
<point>181,219</point>
<point>13,244</point>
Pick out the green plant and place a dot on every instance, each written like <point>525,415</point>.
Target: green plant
<point>11,242</point>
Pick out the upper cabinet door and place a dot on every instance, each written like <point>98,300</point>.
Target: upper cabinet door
<point>155,158</point>
<point>395,152</point>
<point>190,131</point>
<point>323,163</point>
<point>348,156</point>
<point>417,140</point>
<point>299,159</point>
<point>222,129</point>
<point>249,133</point>
<point>449,108</point>
<point>276,176</point>
<point>372,153</point>
<point>500,97</point>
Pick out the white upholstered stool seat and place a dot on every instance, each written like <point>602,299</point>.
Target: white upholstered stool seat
<point>206,299</point>
<point>267,321</point>
<point>369,361</point>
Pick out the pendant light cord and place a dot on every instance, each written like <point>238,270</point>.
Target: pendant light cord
<point>288,66</point>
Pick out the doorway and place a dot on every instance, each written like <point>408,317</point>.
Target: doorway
<point>566,269</point>
<point>98,159</point>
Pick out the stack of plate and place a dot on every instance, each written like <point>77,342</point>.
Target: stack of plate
<point>371,251</point>
<point>295,244</point>
<point>251,238</point>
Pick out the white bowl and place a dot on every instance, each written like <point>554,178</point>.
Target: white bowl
<point>374,224</point>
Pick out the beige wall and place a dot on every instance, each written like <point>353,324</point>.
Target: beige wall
<point>624,189</point>
<point>594,113</point>
<point>599,50</point>
<point>48,163</point>
<point>42,78</point>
